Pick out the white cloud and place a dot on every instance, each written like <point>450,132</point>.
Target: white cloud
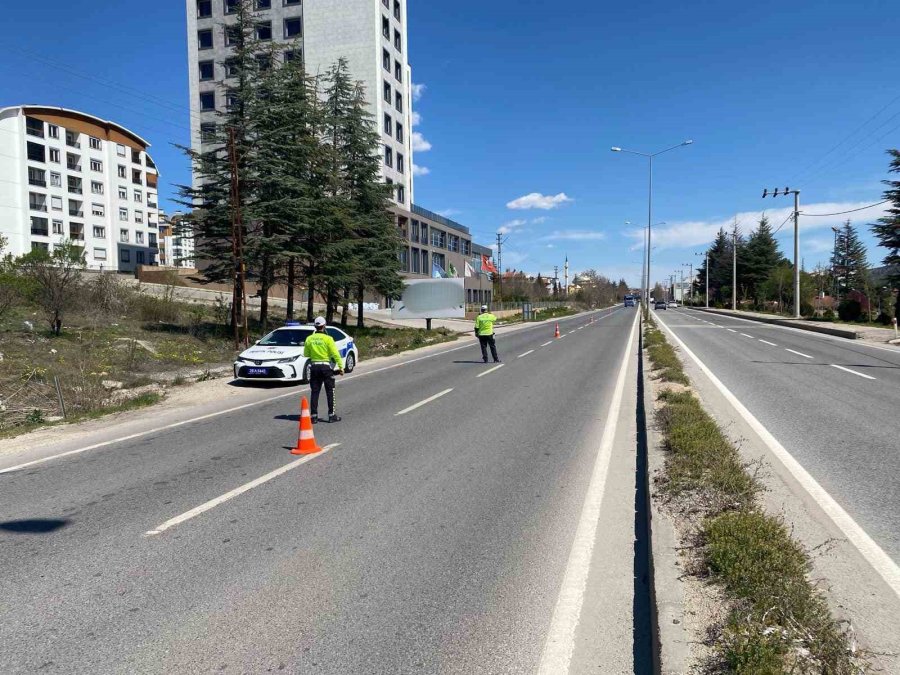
<point>416,118</point>
<point>420,170</point>
<point>447,213</point>
<point>539,220</point>
<point>693,233</point>
<point>575,235</point>
<point>419,144</point>
<point>551,245</point>
<point>508,227</point>
<point>417,91</point>
<point>535,200</point>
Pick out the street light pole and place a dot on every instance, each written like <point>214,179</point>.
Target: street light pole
<point>650,157</point>
<point>796,193</point>
<point>705,255</point>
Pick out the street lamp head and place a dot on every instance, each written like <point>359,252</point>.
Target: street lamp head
<point>616,149</point>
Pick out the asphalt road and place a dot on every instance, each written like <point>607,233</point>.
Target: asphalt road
<point>433,541</point>
<point>832,403</point>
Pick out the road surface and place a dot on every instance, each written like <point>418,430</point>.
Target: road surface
<point>462,514</point>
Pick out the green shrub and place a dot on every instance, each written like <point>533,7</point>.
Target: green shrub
<point>154,310</point>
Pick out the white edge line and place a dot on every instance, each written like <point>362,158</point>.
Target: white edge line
<point>548,342</point>
<point>731,330</point>
<point>868,377</point>
<point>488,372</point>
<point>872,552</point>
<point>421,403</point>
<point>560,643</point>
<point>263,401</point>
<point>212,503</point>
<point>748,336</point>
<point>766,342</point>
<point>530,351</point>
<point>805,356</point>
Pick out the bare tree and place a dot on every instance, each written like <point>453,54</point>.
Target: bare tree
<point>55,279</point>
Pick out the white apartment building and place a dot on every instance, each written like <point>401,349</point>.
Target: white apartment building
<point>370,34</point>
<point>65,174</point>
<point>176,248</point>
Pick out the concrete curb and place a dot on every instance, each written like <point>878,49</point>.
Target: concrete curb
<point>670,641</point>
<point>811,327</point>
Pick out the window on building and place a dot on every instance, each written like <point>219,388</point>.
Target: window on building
<point>205,39</point>
<point>52,131</point>
<point>386,60</point>
<point>98,210</point>
<point>264,31</point>
<point>263,4</point>
<point>37,201</point>
<point>414,230</point>
<point>123,192</point>
<point>151,239</point>
<point>265,62</point>
<point>232,101</point>
<point>415,260</point>
<point>73,162</point>
<point>125,255</point>
<point>404,259</point>
<point>58,227</point>
<point>233,35</point>
<point>54,155</point>
<point>35,127</point>
<point>40,246</point>
<point>96,187</point>
<point>136,177</point>
<point>138,196</point>
<point>207,100</point>
<point>56,203</point>
<point>399,132</point>
<point>293,55</point>
<point>232,68</point>
<point>231,6</point>
<point>293,28</point>
<point>96,165</point>
<point>424,239</point>
<point>123,214</point>
<point>467,247</point>
<point>37,152</point>
<point>121,150</point>
<point>123,235</point>
<point>76,231</point>
<point>386,27</point>
<point>401,163</point>
<point>96,143</point>
<point>398,101</point>
<point>139,237</point>
<point>140,257</point>
<point>453,242</point>
<point>37,177</point>
<point>207,70</point>
<point>40,226</point>
<point>74,184</point>
<point>207,132</point>
<point>398,41</point>
<point>139,217</point>
<point>438,238</point>
<point>99,253</point>
<point>204,9</point>
<point>55,179</point>
<point>123,171</point>
<point>388,156</point>
<point>99,232</point>
<point>387,92</point>
<point>135,156</point>
<point>398,71</point>
<point>401,194</point>
<point>72,139</point>
<point>75,208</point>
<point>425,268</point>
<point>288,3</point>
<point>397,9</point>
<point>388,124</point>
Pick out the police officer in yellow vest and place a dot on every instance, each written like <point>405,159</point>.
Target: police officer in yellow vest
<point>323,354</point>
<point>484,329</point>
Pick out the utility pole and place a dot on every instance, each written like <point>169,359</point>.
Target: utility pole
<point>734,267</point>
<point>556,281</point>
<point>690,281</point>
<point>705,255</point>
<point>500,242</point>
<point>239,293</point>
<point>796,193</point>
<point>566,277</point>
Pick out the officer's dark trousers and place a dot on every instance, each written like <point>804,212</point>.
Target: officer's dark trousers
<point>321,374</point>
<point>486,340</point>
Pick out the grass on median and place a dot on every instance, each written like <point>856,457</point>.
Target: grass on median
<point>379,341</point>
<point>779,622</point>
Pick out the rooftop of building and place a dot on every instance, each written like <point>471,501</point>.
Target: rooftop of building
<point>438,218</point>
<point>34,109</point>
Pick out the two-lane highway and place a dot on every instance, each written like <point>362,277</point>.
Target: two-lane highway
<point>447,528</point>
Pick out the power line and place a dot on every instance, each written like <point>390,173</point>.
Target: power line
<point>841,213</point>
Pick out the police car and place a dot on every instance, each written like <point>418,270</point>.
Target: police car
<point>278,357</point>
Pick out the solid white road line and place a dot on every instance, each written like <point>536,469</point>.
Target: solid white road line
<point>421,403</point>
<point>200,418</point>
<point>548,342</point>
<point>558,648</point>
<point>745,335</point>
<point>212,503</point>
<point>530,351</point>
<point>766,342</point>
<point>731,330</point>
<point>868,377</point>
<point>488,372</point>
<point>805,356</point>
<point>872,552</point>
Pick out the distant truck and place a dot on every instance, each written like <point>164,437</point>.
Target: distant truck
<point>629,301</point>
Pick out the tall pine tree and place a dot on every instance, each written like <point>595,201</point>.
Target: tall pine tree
<point>887,230</point>
<point>761,256</point>
<point>849,261</point>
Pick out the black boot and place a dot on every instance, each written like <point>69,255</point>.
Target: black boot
<point>333,418</point>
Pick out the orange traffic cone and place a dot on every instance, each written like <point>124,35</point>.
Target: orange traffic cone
<point>306,441</point>
<point>556,335</point>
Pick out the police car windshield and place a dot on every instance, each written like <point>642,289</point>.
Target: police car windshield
<point>285,337</point>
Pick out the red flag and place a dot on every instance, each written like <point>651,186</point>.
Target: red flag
<point>487,265</point>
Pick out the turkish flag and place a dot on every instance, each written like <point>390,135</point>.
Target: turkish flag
<point>487,265</point>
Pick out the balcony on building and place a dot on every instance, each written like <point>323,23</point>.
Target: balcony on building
<point>72,139</point>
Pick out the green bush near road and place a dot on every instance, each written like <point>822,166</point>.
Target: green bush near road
<point>778,621</point>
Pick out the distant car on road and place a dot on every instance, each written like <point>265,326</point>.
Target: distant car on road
<point>659,304</point>
<point>278,357</point>
<point>629,301</point>
<point>673,303</point>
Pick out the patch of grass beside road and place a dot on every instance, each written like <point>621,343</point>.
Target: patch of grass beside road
<point>778,620</point>
<point>378,341</point>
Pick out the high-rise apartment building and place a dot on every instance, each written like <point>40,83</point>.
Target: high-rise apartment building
<point>370,34</point>
<point>67,175</point>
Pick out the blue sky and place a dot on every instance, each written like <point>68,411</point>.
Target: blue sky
<point>523,98</point>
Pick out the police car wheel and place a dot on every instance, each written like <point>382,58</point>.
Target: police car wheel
<point>349,363</point>
<point>307,371</point>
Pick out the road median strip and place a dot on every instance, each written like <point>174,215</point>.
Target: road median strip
<point>776,618</point>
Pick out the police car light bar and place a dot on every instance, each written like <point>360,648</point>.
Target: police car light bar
<point>291,323</point>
